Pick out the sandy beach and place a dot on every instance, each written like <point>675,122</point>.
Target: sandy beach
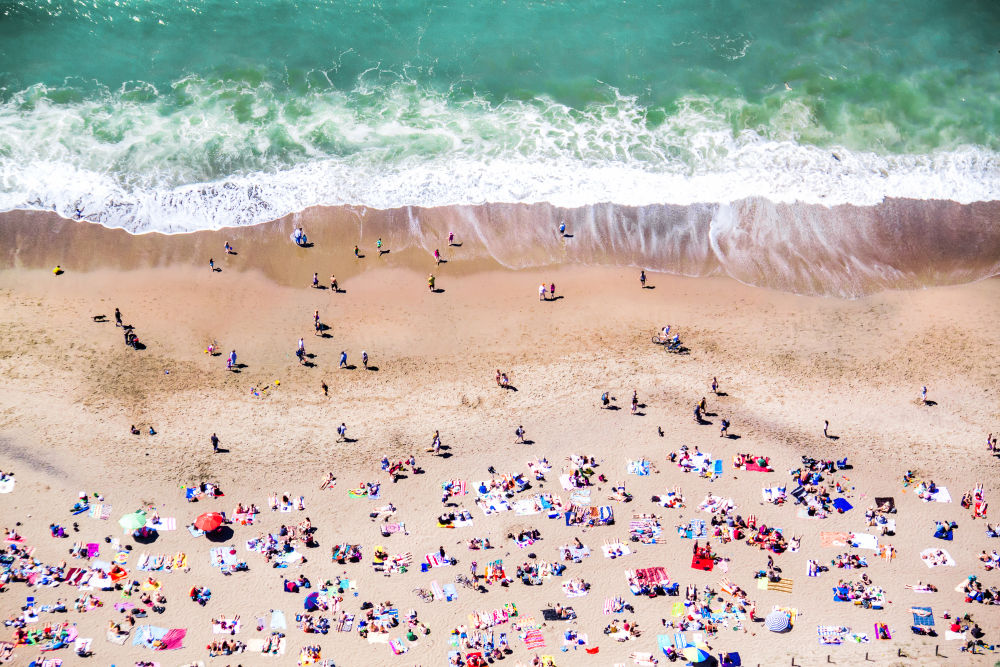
<point>71,390</point>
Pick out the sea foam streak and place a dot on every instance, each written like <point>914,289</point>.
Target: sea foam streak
<point>211,154</point>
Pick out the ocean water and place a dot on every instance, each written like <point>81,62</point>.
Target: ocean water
<point>178,115</point>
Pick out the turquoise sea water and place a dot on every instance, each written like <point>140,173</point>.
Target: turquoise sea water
<point>184,114</point>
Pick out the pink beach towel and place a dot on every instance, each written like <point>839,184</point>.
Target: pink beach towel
<point>174,639</point>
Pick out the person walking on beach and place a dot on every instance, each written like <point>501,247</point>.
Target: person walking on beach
<point>923,395</point>
<point>826,428</point>
<point>324,387</point>
<point>211,263</point>
<point>519,432</point>
<point>378,246</point>
<point>357,253</point>
<point>118,318</point>
<point>300,354</point>
<point>364,359</point>
<point>451,238</point>
<point>229,248</point>
<point>343,358</point>
<point>724,432</point>
<point>333,284</point>
<point>605,399</point>
<point>562,229</point>
<point>430,282</point>
<point>315,280</point>
<point>342,432</point>
<point>317,324</point>
<point>642,279</point>
<point>552,290</point>
<point>437,257</point>
<point>215,444</point>
<point>715,386</point>
<point>231,362</point>
<point>541,292</point>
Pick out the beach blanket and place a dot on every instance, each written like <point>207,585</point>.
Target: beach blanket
<point>533,639</point>
<point>939,496</point>
<point>864,541</point>
<point>434,560</point>
<point>226,626</point>
<point>450,592</point>
<point>580,497</point>
<point>174,639</point>
<point>922,616</point>
<point>784,585</point>
<point>397,646</point>
<point>841,505</point>
<point>640,467</point>
<point>834,539</point>
<point>936,557</point>
<point>278,620</point>
<point>165,523</point>
<point>702,563</point>
<point>100,511</point>
<point>146,635</point>
<point>832,634</point>
<point>615,550</point>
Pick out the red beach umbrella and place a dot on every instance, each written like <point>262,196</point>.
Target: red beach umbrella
<point>209,521</point>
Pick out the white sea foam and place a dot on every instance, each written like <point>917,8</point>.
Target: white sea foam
<point>216,154</point>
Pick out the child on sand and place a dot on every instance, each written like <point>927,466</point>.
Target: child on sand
<point>430,282</point>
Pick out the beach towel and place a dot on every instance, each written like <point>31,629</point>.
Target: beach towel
<point>397,646</point>
<point>940,496</point>
<point>664,642</point>
<point>100,511</point>
<point>702,563</point>
<point>783,585</point>
<point>841,505</point>
<point>640,467</point>
<point>922,616</point>
<point>580,497</point>
<point>174,639</point>
<point>717,468</point>
<point>832,634</point>
<point>756,467</point>
<point>450,592</point>
<point>834,539</point>
<point>949,635</point>
<point>194,531</point>
<point>533,639</point>
<point>278,620</point>
<point>145,635</point>
<point>615,550</point>
<point>165,523</point>
<point>864,541</point>
<point>434,560</point>
<point>931,559</point>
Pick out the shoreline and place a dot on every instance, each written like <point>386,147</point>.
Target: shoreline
<point>841,251</point>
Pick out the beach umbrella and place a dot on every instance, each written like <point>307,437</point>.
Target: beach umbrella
<point>311,602</point>
<point>696,654</point>
<point>209,521</point>
<point>776,621</point>
<point>133,521</point>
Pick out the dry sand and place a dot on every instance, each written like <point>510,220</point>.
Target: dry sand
<point>70,390</point>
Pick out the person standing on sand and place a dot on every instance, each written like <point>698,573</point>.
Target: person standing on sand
<point>333,284</point>
<point>229,248</point>
<point>315,280</point>
<point>552,290</point>
<point>826,427</point>
<point>357,253</point>
<point>343,358</point>
<point>324,387</point>
<point>451,238</point>
<point>231,362</point>
<point>211,263</point>
<point>430,282</point>
<point>605,399</point>
<point>215,444</point>
<point>437,257</point>
<point>642,279</point>
<point>541,292</point>
<point>378,246</point>
<point>519,432</point>
<point>724,432</point>
<point>562,229</point>
<point>364,359</point>
<point>715,386</point>
<point>923,395</point>
<point>342,432</point>
<point>118,318</point>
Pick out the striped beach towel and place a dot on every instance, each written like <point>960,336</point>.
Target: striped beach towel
<point>782,586</point>
<point>533,639</point>
<point>165,523</point>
